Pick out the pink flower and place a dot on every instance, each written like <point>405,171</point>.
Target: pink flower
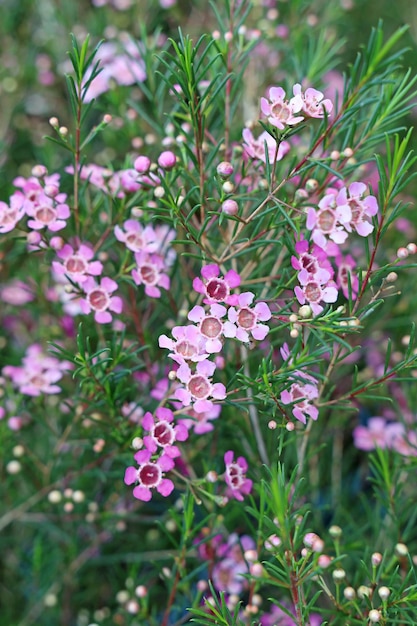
<point>162,433</point>
<point>188,344</point>
<point>235,476</point>
<point>371,436</point>
<point>215,288</point>
<point>345,265</point>
<point>311,265</point>
<point>353,201</point>
<point>209,325</point>
<point>302,394</point>
<point>313,103</point>
<point>136,237</point>
<point>257,148</point>
<point>11,214</point>
<point>313,293</point>
<point>281,112</point>
<point>150,272</point>
<point>46,213</point>
<point>201,422</point>
<point>16,293</point>
<point>246,320</point>
<point>328,221</point>
<point>98,298</point>
<point>77,264</point>
<point>198,386</point>
<point>149,475</point>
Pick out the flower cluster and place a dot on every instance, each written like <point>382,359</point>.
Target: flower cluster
<point>38,373</point>
<point>381,433</point>
<point>282,112</point>
<point>191,346</point>
<point>315,275</point>
<point>157,456</point>
<point>302,392</point>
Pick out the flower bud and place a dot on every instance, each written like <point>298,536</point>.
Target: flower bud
<point>142,164</point>
<point>167,160</point>
<point>230,207</point>
<point>349,593</point>
<point>374,616</point>
<point>225,169</point>
<point>384,593</point>
<point>376,559</point>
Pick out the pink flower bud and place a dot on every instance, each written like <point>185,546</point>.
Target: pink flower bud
<point>142,164</point>
<point>230,207</point>
<point>225,169</point>
<point>57,243</point>
<point>167,160</point>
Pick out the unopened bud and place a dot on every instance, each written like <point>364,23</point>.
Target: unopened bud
<point>384,593</point>
<point>225,169</point>
<point>374,616</point>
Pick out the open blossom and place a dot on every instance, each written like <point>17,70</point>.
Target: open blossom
<point>201,423</point>
<point>210,325</point>
<point>99,298</point>
<point>345,266</point>
<point>45,212</point>
<point>313,103</point>
<point>12,213</point>
<point>198,386</point>
<point>312,293</point>
<point>311,264</point>
<point>136,237</point>
<point>77,263</point>
<point>302,394</point>
<point>279,111</point>
<point>187,344</point>
<point>246,320</point>
<point>328,221</point>
<point>163,433</point>
<point>150,272</point>
<point>38,373</point>
<point>216,288</point>
<point>360,207</point>
<point>235,476</point>
<point>150,475</point>
<point>265,144</point>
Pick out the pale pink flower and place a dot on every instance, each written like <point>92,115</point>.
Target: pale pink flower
<point>201,423</point>
<point>345,266</point>
<point>198,386</point>
<point>11,214</point>
<point>246,320</point>
<point>313,103</point>
<point>216,288</point>
<point>209,325</point>
<point>279,111</point>
<point>77,264</point>
<point>302,394</point>
<point>16,293</point>
<point>46,213</point>
<point>312,293</point>
<point>265,144</point>
<point>163,434</point>
<point>329,220</point>
<point>188,344</point>
<point>359,206</point>
<point>99,298</point>
<point>150,272</point>
<point>136,237</point>
<point>371,436</point>
<point>229,575</point>
<point>235,476</point>
<point>150,475</point>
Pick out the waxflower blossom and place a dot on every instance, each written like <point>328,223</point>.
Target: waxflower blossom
<point>311,264</point>
<point>149,475</point>
<point>279,111</point>
<point>210,325</point>
<point>328,221</point>
<point>198,386</point>
<point>162,432</point>
<point>302,394</point>
<point>345,266</point>
<point>201,423</point>
<point>136,237</point>
<point>11,214</point>
<point>265,144</point>
<point>313,103</point>
<point>360,207</point>
<point>150,272</point>
<point>235,476</point>
<point>216,288</point>
<point>99,298</point>
<point>46,213</point>
<point>188,344</point>
<point>38,373</point>
<point>77,264</point>
<point>312,293</point>
<point>246,320</point>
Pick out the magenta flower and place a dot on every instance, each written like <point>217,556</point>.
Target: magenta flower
<point>279,111</point>
<point>302,394</point>
<point>162,432</point>
<point>198,386</point>
<point>313,103</point>
<point>188,344</point>
<point>235,476</point>
<point>136,237</point>
<point>77,264</point>
<point>257,148</point>
<point>150,475</point>
<point>216,288</point>
<point>311,265</point>
<point>345,267</point>
<point>98,298</point>
<point>209,325</point>
<point>11,214</point>
<point>38,373</point>
<point>150,272</point>
<point>353,201</point>
<point>246,320</point>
